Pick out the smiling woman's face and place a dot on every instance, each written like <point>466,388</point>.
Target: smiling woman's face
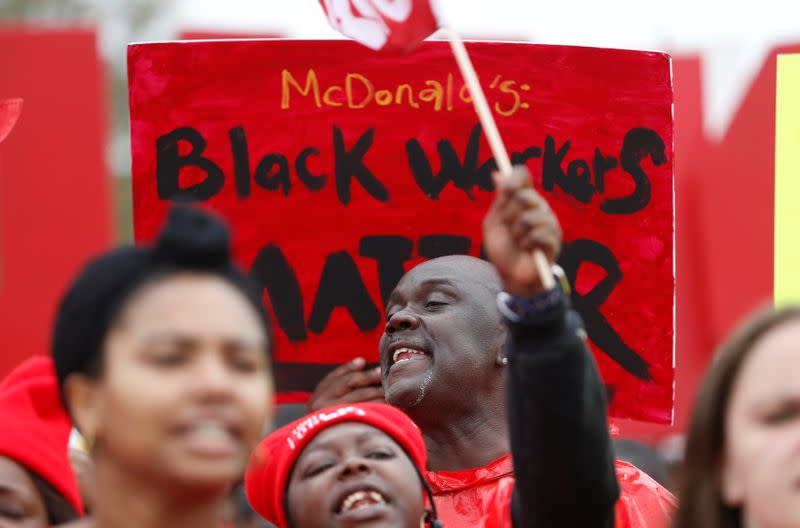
<point>354,475</point>
<point>761,466</point>
<point>21,504</point>
<point>185,389</point>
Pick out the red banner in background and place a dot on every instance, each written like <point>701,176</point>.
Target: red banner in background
<point>339,170</point>
<point>725,203</point>
<point>54,196</point>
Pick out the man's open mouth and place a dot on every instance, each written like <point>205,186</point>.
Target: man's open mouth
<point>405,354</point>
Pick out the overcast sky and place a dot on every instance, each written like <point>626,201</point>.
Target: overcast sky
<point>732,37</point>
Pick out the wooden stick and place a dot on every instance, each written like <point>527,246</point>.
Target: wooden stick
<point>492,135</point>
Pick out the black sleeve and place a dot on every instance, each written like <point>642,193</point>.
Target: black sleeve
<point>563,460</point>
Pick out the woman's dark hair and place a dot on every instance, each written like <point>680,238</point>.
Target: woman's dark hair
<point>59,510</point>
<point>701,504</point>
<point>191,241</point>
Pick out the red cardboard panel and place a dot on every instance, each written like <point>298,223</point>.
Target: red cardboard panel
<point>339,169</point>
<point>54,197</point>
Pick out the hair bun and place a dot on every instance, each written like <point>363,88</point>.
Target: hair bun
<point>194,239</point>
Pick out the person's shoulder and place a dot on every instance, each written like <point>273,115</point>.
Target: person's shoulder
<point>488,476</point>
<point>632,479</point>
<point>643,502</point>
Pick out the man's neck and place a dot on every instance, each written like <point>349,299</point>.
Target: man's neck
<point>466,442</point>
<point>124,501</point>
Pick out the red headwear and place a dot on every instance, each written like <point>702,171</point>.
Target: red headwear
<point>35,428</point>
<point>272,461</point>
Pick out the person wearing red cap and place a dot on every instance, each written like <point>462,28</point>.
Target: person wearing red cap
<point>342,466</point>
<point>161,352</point>
<point>37,485</point>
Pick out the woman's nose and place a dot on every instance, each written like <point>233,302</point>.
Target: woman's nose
<point>354,466</point>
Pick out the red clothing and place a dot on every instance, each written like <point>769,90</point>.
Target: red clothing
<point>35,427</point>
<point>481,497</point>
<point>642,501</point>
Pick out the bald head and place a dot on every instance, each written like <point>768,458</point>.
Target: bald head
<point>462,268</point>
<point>443,330</point>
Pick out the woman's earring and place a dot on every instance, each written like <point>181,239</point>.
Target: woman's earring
<point>502,361</point>
<point>80,442</point>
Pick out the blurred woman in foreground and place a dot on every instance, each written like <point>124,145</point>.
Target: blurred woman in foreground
<point>742,466</point>
<point>162,357</point>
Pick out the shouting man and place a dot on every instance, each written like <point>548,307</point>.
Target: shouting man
<point>487,363</point>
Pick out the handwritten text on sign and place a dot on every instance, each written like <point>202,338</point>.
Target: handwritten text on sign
<point>339,170</point>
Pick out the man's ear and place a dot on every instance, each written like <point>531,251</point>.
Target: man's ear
<point>503,333</point>
<point>500,345</point>
<point>81,394</point>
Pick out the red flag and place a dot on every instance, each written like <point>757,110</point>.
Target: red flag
<point>395,26</point>
<point>9,113</point>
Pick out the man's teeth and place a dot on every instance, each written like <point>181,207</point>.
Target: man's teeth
<point>407,354</point>
<point>360,499</point>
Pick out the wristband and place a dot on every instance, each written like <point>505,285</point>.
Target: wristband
<point>530,309</point>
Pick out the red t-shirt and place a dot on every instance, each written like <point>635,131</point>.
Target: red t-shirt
<point>481,497</point>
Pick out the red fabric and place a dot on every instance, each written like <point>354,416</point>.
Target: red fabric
<point>35,428</point>
<point>272,461</point>
<point>643,501</point>
<point>9,113</point>
<point>481,497</point>
<point>397,26</point>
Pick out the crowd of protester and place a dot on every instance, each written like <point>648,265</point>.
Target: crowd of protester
<point>487,409</point>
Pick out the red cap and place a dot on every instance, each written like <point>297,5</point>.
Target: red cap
<point>272,461</point>
<point>35,428</point>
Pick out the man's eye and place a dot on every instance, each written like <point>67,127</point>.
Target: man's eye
<point>435,304</point>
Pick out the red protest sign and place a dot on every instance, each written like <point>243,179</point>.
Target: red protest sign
<point>395,26</point>
<point>339,169</point>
